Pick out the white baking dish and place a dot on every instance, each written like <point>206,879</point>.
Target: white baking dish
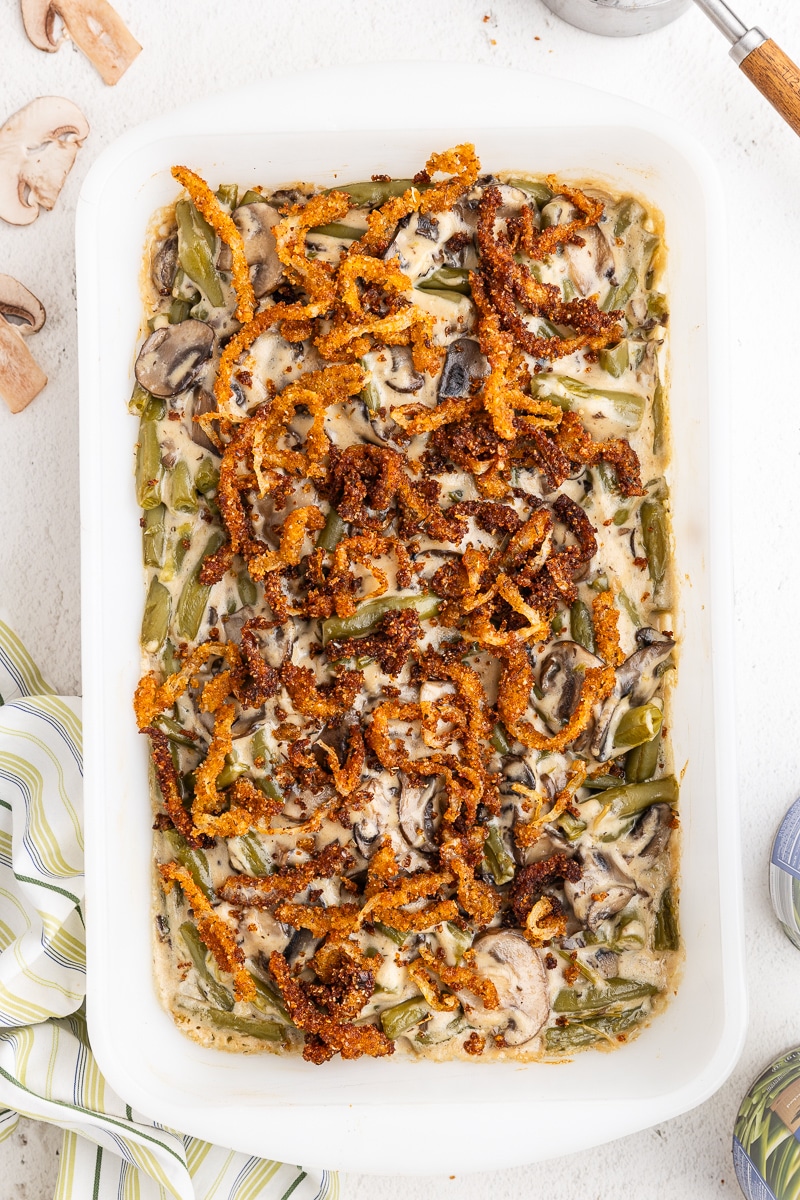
<point>367,1115</point>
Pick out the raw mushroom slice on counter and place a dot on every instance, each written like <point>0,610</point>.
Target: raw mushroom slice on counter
<point>93,25</point>
<point>21,377</point>
<point>38,145</point>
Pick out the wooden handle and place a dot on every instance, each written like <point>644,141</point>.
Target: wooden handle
<point>777,78</point>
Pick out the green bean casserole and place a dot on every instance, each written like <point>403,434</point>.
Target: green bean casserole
<point>407,635</point>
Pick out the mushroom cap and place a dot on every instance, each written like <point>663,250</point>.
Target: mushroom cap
<point>38,145</point>
<point>517,972</point>
<point>17,301</point>
<point>416,814</point>
<point>173,356</point>
<point>94,26</point>
<point>589,263</point>
<point>39,17</point>
<point>255,222</point>
<point>560,680</point>
<point>604,888</point>
<point>463,364</point>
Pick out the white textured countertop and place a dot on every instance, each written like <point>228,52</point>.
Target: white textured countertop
<point>192,49</point>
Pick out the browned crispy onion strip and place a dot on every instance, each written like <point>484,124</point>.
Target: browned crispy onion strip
<point>579,447</point>
<point>528,833</point>
<point>325,1036</point>
<point>325,702</point>
<point>605,618</point>
<point>381,223</point>
<point>347,777</point>
<point>152,697</point>
<point>223,224</point>
<point>514,692</point>
<point>463,976</point>
<point>253,891</point>
<point>168,785</point>
<point>538,244</point>
<point>215,933</point>
<point>438,1000</point>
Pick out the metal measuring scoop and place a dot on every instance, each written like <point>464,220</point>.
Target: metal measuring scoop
<point>762,61</point>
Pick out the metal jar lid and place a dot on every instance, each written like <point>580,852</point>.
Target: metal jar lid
<point>618,18</point>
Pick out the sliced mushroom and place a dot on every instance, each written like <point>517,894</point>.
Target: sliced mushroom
<point>603,890</point>
<point>173,356</point>
<point>255,222</point>
<point>165,265</point>
<point>94,26</point>
<point>636,684</point>
<point>648,838</point>
<point>38,145</point>
<point>516,971</point>
<point>404,378</point>
<point>202,402</point>
<point>375,814</point>
<point>463,365</point>
<point>21,377</point>
<point>560,681</point>
<point>416,812</point>
<point>590,264</point>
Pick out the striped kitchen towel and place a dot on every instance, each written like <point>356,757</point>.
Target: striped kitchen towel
<point>47,1070</point>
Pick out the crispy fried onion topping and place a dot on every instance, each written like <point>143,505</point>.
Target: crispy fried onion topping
<point>320,1015</point>
<point>152,697</point>
<point>503,284</point>
<point>324,701</point>
<point>381,223</point>
<point>542,812</point>
<point>531,882</point>
<point>250,891</point>
<point>215,933</point>
<point>223,224</point>
<point>574,442</point>
<point>514,694</point>
<point>605,619</point>
<point>463,977</point>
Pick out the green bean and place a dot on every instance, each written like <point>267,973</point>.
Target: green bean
<point>600,583</point>
<point>593,999</point>
<point>175,732</point>
<point>139,400</point>
<point>630,608</point>
<point>232,771</point>
<point>499,740</point>
<point>169,659</point>
<point>600,783</point>
<point>405,1016</point>
<point>584,1033</point>
<point>178,311</point>
<point>227,194</point>
<point>265,1031</point>
<point>621,516</point>
<point>557,623</point>
<point>254,855</point>
<point>196,245</point>
<point>154,536</point>
<point>638,725</point>
<point>182,543</point>
<point>659,420</point>
<point>446,279</point>
<point>251,197</point>
<point>258,747</point>
<point>248,592</point>
<point>568,289</point>
<point>649,246</point>
<point>368,615</point>
<point>268,994</point>
<point>500,863</point>
<point>657,307</point>
<point>629,212</point>
<point>155,620</point>
<point>626,937</point>
<point>332,531</point>
<point>534,188</point>
<point>656,540</point>
<point>462,940</point>
<point>633,798</point>
<point>207,478</point>
<point>193,860</point>
<point>371,397</point>
<point>347,233</point>
<point>581,628</point>
<point>394,935</point>
<point>149,468</point>
<point>182,493</point>
<point>218,994</point>
<point>628,407</point>
<point>615,359</point>
<point>570,826</point>
<point>642,761</point>
<point>377,191</point>
<point>619,296</point>
<point>665,931</point>
<point>193,599</point>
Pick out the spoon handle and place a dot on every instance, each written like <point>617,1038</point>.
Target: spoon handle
<point>777,78</point>
<point>762,61</point>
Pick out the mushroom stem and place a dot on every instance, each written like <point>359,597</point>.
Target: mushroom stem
<point>21,377</point>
